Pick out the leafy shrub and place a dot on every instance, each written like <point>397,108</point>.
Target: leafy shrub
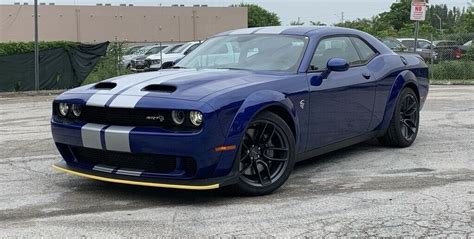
<point>453,70</point>
<point>109,65</point>
<point>14,48</point>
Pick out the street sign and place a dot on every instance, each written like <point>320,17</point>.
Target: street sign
<point>418,11</point>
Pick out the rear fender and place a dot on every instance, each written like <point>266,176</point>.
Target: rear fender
<point>404,78</point>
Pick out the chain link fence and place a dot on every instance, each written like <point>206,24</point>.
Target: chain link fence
<point>121,56</point>
<point>450,57</point>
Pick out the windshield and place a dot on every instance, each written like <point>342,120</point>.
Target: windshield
<point>142,50</point>
<point>248,52</point>
<point>181,48</point>
<point>171,48</point>
<point>132,50</point>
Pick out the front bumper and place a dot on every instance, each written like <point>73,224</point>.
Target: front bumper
<point>203,184</point>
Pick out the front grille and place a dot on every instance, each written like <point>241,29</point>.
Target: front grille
<point>148,162</point>
<point>135,117</point>
<point>127,117</point>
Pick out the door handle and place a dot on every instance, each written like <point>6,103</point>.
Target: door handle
<point>366,75</point>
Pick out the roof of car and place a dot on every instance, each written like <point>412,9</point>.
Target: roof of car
<point>285,30</point>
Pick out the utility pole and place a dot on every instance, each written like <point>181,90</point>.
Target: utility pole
<point>340,16</point>
<point>36,48</point>
<point>440,24</point>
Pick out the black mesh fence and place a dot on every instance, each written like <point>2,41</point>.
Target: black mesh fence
<point>60,68</point>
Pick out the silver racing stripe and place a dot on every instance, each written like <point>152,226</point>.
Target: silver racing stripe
<point>129,172</point>
<point>103,168</point>
<point>117,138</point>
<point>130,97</point>
<point>90,134</point>
<point>101,97</point>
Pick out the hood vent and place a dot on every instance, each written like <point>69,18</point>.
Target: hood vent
<point>105,85</point>
<point>160,88</point>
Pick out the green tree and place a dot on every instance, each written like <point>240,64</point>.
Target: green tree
<point>260,17</point>
<point>317,23</point>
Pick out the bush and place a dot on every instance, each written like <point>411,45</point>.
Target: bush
<point>109,65</point>
<point>14,48</point>
<point>453,70</point>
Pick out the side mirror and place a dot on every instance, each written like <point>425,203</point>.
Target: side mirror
<point>337,64</point>
<point>334,64</point>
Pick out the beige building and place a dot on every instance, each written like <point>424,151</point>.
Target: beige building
<point>124,23</point>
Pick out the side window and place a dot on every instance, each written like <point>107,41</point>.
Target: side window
<point>154,50</point>
<point>334,47</point>
<point>366,53</point>
<point>190,49</point>
<point>409,43</point>
<point>424,44</point>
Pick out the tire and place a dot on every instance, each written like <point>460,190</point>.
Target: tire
<point>265,160</point>
<point>405,121</point>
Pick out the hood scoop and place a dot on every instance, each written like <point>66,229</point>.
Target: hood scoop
<point>160,88</point>
<point>105,85</point>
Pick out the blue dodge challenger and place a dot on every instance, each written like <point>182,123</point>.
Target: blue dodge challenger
<point>241,109</point>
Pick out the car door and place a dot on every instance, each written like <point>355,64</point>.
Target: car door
<point>341,105</point>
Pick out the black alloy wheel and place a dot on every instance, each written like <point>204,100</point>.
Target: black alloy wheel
<point>409,117</point>
<point>404,124</point>
<point>266,155</point>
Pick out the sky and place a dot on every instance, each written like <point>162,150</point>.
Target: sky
<point>326,11</point>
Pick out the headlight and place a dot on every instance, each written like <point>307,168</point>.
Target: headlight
<point>76,110</point>
<point>195,117</point>
<point>63,109</point>
<point>178,117</point>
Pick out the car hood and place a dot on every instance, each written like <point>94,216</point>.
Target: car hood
<point>185,84</point>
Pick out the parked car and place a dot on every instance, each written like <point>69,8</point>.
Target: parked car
<point>155,61</point>
<point>447,50</point>
<point>241,110</point>
<point>131,50</point>
<point>144,51</point>
<point>139,64</point>
<point>424,48</point>
<point>394,44</point>
<point>466,47</point>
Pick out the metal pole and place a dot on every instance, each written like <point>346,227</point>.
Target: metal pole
<point>440,24</point>
<point>36,48</point>
<point>417,28</point>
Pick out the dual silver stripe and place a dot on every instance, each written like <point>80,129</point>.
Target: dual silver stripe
<point>116,138</point>
<point>130,97</point>
<point>101,97</point>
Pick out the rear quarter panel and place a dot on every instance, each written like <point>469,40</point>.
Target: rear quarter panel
<point>392,76</point>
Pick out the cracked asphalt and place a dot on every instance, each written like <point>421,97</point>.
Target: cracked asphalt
<point>364,190</point>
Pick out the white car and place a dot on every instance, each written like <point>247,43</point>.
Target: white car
<point>155,60</point>
<point>146,50</point>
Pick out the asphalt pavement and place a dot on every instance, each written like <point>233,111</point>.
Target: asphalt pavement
<point>363,190</point>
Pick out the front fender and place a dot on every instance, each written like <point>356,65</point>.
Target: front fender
<point>252,105</point>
